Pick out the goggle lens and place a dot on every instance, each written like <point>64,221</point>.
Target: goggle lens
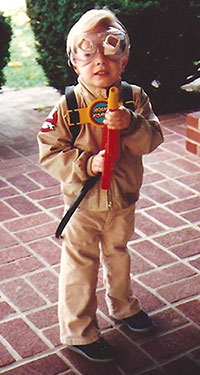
<point>113,45</point>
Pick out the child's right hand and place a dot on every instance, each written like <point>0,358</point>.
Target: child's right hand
<point>98,162</point>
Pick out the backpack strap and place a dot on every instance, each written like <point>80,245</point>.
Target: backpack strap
<point>74,115</point>
<point>128,102</point>
<point>127,96</point>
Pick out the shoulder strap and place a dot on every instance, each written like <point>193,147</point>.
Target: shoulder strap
<point>74,115</point>
<point>127,95</point>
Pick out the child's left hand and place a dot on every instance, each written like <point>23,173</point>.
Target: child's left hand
<point>119,119</point>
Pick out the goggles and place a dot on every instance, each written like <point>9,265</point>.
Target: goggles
<point>113,43</point>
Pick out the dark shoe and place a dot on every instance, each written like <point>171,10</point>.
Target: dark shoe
<point>98,351</point>
<point>139,322</point>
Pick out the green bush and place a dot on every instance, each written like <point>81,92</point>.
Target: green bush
<point>6,33</point>
<point>165,39</point>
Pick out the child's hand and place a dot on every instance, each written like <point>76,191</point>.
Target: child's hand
<point>119,119</point>
<point>98,162</point>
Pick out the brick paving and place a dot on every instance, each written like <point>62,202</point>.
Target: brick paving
<point>164,250</point>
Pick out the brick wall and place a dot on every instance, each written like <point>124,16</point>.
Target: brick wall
<point>193,132</point>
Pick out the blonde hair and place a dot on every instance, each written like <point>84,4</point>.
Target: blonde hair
<point>90,20</point>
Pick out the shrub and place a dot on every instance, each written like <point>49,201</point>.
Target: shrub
<point>165,36</point>
<point>6,33</point>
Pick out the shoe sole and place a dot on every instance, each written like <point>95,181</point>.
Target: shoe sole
<point>83,354</point>
<point>141,330</point>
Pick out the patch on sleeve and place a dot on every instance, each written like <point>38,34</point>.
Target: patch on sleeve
<point>51,121</point>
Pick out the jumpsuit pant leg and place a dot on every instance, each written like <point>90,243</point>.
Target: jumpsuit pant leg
<point>83,237</point>
<point>77,302</point>
<point>116,263</point>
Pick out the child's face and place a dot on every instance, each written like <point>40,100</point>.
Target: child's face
<point>95,63</point>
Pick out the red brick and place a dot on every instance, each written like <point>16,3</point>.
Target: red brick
<point>165,217</point>
<point>185,165</point>
<point>146,225</point>
<point>193,135</point>
<point>168,319</point>
<point>186,249</point>
<point>45,317</point>
<point>173,147</point>
<point>22,205</point>
<point>45,193</point>
<point>192,215</point>
<point>156,194</point>
<point>182,366</point>
<point>130,358</point>
<point>171,138</point>
<point>49,365</point>
<point>53,335</point>
<point>47,283</point>
<point>37,232</point>
<point>52,202</point>
<point>43,178</point>
<point>157,155</point>
<point>148,300</point>
<point>2,184</point>
<point>5,310</point>
<point>14,253</point>
<point>103,323</point>
<point>19,267</point>
<point>12,163</point>
<point>6,213</point>
<point>181,290</point>
<point>173,343</point>
<point>144,203</point>
<point>196,263</point>
<point>172,171</point>
<point>5,357</point>
<point>191,310</point>
<point>138,264</point>
<point>188,181</point>
<point>152,252</point>
<point>23,183</point>
<point>23,223</point>
<point>7,192</point>
<point>47,249</point>
<point>7,240</point>
<point>167,275</point>
<point>7,153</point>
<point>152,372</point>
<point>12,171</point>
<point>152,177</point>
<point>177,237</point>
<point>58,212</point>
<point>191,146</point>
<point>22,295</point>
<point>196,354</point>
<point>176,189</point>
<point>193,119</point>
<point>169,118</point>
<point>31,343</point>
<point>175,121</point>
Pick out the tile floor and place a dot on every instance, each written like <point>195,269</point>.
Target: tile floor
<point>164,250</point>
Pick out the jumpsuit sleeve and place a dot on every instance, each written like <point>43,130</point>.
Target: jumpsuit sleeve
<point>144,133</point>
<point>57,154</point>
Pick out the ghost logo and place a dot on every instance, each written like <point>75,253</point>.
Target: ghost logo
<point>51,121</point>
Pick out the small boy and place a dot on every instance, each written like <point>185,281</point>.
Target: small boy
<point>98,50</point>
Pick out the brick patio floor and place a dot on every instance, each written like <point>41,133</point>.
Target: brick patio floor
<point>164,251</point>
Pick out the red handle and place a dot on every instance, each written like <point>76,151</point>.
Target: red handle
<point>110,142</point>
